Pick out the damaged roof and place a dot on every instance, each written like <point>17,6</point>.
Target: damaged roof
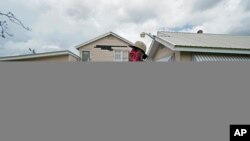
<point>205,40</point>
<point>193,42</point>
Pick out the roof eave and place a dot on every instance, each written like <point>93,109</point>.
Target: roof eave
<point>155,44</point>
<point>92,40</point>
<point>102,36</point>
<point>165,43</point>
<point>32,56</point>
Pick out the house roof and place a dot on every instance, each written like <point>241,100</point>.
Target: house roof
<point>192,42</point>
<point>102,36</point>
<point>38,55</point>
<point>206,40</point>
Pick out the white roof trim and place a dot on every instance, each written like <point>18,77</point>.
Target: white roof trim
<point>165,43</point>
<point>152,49</point>
<point>155,44</point>
<point>102,36</point>
<point>38,55</point>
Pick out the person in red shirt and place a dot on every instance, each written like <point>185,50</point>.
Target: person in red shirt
<point>138,52</point>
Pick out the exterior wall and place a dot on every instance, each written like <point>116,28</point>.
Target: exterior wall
<point>98,55</point>
<point>162,52</point>
<point>73,59</point>
<point>186,56</point>
<point>183,56</point>
<point>177,56</point>
<point>62,58</point>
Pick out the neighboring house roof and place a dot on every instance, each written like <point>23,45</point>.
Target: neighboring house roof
<point>102,36</point>
<point>192,42</point>
<point>38,55</point>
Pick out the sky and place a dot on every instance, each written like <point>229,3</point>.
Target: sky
<point>61,25</point>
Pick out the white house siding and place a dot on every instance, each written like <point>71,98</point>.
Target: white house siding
<point>99,55</point>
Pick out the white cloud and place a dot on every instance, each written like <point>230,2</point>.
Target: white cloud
<point>66,23</point>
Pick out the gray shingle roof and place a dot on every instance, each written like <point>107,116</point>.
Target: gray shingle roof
<point>206,40</point>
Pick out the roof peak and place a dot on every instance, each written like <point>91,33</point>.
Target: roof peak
<point>102,36</point>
